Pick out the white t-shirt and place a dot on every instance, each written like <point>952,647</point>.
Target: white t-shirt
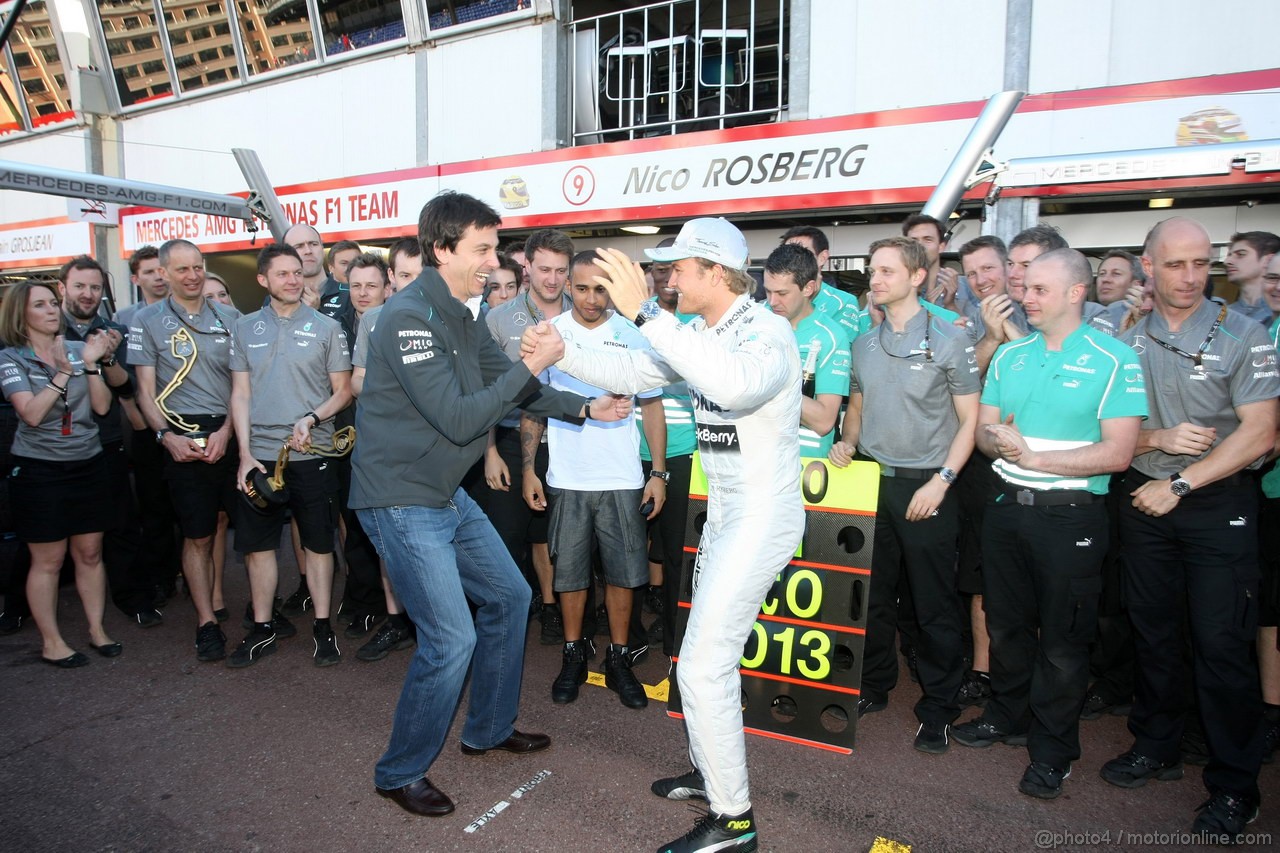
<point>596,456</point>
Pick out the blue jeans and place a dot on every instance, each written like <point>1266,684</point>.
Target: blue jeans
<point>436,560</point>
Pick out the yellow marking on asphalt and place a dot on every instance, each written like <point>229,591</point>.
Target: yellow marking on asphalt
<point>657,692</point>
<point>888,845</point>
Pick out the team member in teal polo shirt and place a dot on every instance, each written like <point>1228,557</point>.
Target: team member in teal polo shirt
<point>1060,411</point>
<point>1269,553</point>
<point>666,532</point>
<point>829,301</point>
<point>790,283</point>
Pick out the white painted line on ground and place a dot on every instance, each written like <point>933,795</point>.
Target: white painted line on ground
<point>502,805</point>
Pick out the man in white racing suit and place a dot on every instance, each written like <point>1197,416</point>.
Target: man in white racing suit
<point>743,370</point>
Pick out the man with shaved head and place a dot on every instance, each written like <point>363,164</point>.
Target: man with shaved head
<point>1060,412</point>
<point>1189,532</point>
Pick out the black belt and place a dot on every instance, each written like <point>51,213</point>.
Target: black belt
<point>1048,497</point>
<point>206,423</point>
<point>901,473</point>
<point>1239,478</point>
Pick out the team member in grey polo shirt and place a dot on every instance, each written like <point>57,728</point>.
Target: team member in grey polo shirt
<point>163,339</point>
<point>291,373</point>
<point>59,475</point>
<point>913,408</point>
<point>1189,533</point>
<point>548,252</point>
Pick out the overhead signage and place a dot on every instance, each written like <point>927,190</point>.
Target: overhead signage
<point>43,243</point>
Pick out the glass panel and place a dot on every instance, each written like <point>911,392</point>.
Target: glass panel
<point>206,30</point>
<point>39,66</point>
<point>288,31</point>
<point>350,24</point>
<point>133,43</point>
<point>446,13</point>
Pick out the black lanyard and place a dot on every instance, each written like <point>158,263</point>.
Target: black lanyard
<point>35,361</point>
<point>1198,355</point>
<point>928,347</point>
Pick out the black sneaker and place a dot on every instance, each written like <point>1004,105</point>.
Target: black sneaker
<point>638,654</point>
<point>867,705</point>
<point>10,624</point>
<point>688,786</point>
<point>258,643</point>
<point>717,832</point>
<point>388,639</point>
<point>148,617</point>
<point>247,621</point>
<point>653,600</point>
<point>221,615</point>
<point>975,690</point>
<point>600,626</point>
<point>573,672</point>
<point>552,632</point>
<point>1042,781</point>
<point>211,643</point>
<point>1223,818</point>
<point>619,678</point>
<point>1132,770</point>
<point>932,738</point>
<point>1096,705</point>
<point>326,653</point>
<point>298,603</point>
<point>283,627</point>
<point>362,623</point>
<point>981,734</point>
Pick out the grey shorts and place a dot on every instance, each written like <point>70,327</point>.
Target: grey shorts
<point>612,519</point>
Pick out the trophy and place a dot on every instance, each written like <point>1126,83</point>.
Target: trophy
<point>183,347</point>
<point>265,494</point>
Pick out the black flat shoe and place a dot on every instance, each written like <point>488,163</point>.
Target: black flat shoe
<point>108,650</point>
<point>75,660</point>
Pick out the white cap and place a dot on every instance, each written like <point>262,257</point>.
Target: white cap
<point>717,240</point>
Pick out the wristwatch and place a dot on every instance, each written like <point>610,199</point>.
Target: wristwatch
<point>649,309</point>
<point>160,434</point>
<point>664,476</point>
<point>1180,487</point>
<point>947,475</point>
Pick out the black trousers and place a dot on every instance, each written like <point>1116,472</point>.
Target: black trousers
<point>517,525</point>
<point>666,534</point>
<point>363,588</point>
<point>1201,559</point>
<point>1111,659</point>
<point>1041,580</point>
<point>129,576</point>
<point>158,556</point>
<point>925,553</point>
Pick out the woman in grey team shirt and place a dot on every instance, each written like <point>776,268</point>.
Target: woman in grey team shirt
<point>58,486</point>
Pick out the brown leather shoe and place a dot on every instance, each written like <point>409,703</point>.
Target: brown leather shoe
<point>519,742</point>
<point>420,797</point>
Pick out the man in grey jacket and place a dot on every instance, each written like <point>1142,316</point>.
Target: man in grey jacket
<point>435,383</point>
